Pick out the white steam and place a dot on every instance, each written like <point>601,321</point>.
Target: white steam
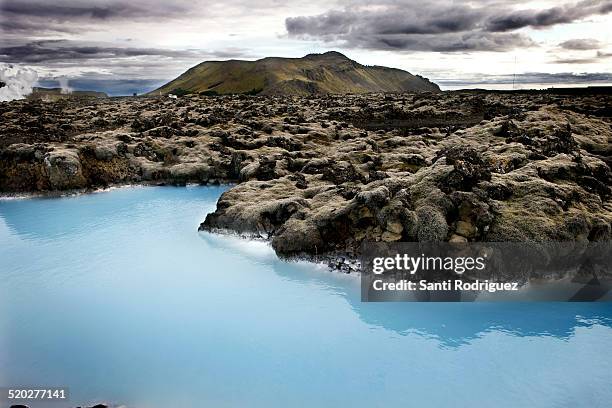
<point>18,82</point>
<point>63,82</point>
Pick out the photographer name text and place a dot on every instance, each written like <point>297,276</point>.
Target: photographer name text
<point>424,285</point>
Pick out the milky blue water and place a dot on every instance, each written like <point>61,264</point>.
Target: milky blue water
<point>118,297</point>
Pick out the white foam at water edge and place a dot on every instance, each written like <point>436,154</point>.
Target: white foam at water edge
<point>262,251</point>
<point>19,82</point>
<point>254,248</point>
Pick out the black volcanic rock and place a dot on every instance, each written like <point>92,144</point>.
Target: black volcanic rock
<point>316,178</point>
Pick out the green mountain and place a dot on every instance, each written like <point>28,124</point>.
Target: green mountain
<point>328,73</point>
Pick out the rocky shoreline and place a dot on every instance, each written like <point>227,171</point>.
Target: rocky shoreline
<point>93,190</point>
<point>316,176</point>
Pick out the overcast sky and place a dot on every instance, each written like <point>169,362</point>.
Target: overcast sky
<point>135,45</point>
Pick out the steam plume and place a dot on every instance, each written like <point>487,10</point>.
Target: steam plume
<point>18,82</point>
<point>63,82</point>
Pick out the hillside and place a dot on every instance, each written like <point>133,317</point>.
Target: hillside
<point>328,73</point>
<point>56,93</point>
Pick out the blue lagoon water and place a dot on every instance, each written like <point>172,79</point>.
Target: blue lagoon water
<point>116,296</point>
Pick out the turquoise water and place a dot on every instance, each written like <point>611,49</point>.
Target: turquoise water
<point>118,297</point>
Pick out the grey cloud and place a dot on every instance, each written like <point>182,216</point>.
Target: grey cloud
<point>37,52</point>
<point>582,59</point>
<point>61,50</point>
<point>532,78</point>
<point>44,17</point>
<point>566,77</point>
<point>331,23</point>
<point>39,17</point>
<point>231,52</point>
<point>393,20</point>
<point>581,44</point>
<point>450,42</point>
<point>436,25</point>
<point>65,10</point>
<point>588,60</point>
<point>71,11</point>
<point>548,17</point>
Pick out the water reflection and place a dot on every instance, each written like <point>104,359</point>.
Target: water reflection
<point>451,323</point>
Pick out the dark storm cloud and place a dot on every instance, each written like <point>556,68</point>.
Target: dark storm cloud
<point>544,18</point>
<point>70,11</point>
<point>436,25</point>
<point>62,50</point>
<point>36,16</point>
<point>451,42</point>
<point>392,19</point>
<point>43,17</point>
<point>581,44</point>
<point>26,26</point>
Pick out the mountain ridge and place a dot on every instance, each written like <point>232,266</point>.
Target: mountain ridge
<point>313,74</point>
